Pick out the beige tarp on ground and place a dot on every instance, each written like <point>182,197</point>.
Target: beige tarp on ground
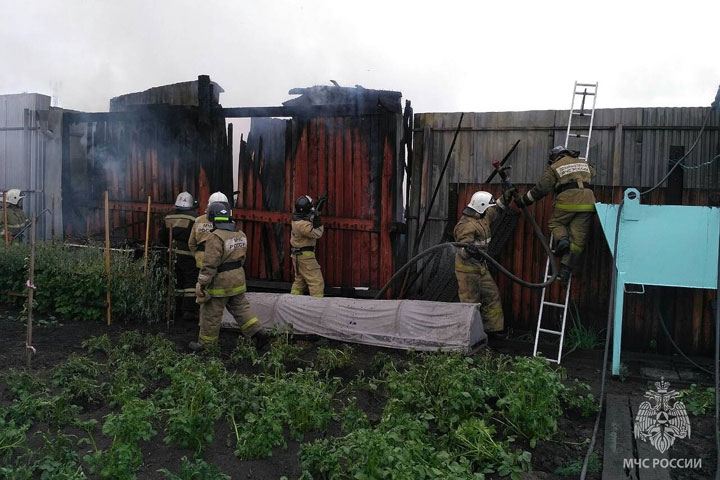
<point>405,324</point>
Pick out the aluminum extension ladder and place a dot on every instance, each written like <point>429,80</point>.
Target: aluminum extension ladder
<point>588,90</point>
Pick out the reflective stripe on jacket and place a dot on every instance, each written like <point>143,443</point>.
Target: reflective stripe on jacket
<point>223,246</point>
<point>565,170</point>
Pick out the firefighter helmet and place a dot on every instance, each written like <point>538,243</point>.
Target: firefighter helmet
<point>218,197</point>
<point>218,212</point>
<point>481,201</point>
<point>13,196</point>
<point>184,201</point>
<point>556,152</point>
<point>304,205</point>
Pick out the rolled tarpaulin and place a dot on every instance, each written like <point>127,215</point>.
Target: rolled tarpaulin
<point>403,324</point>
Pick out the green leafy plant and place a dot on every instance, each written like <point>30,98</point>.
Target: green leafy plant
<point>574,467</point>
<point>58,459</point>
<point>698,400</point>
<point>124,456</point>
<point>98,344</point>
<point>192,403</point>
<point>71,282</point>
<point>476,440</point>
<point>197,470</point>
<point>78,378</point>
<point>352,417</point>
<point>581,336</point>
<point>332,358</point>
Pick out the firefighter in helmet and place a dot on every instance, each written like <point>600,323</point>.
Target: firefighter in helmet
<point>569,178</point>
<point>202,228</point>
<point>181,222</point>
<point>475,284</point>
<point>221,281</point>
<point>16,219</point>
<point>307,227</point>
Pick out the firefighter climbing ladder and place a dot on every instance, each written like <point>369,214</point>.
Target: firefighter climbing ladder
<point>582,90</point>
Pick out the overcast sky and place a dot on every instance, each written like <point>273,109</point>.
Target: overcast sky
<point>442,55</point>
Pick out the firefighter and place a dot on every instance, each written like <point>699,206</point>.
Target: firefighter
<point>475,284</point>
<point>16,219</point>
<point>181,221</point>
<point>202,228</point>
<point>307,227</point>
<point>574,204</point>
<point>221,281</point>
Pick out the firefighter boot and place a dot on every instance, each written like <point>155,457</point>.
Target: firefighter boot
<point>196,346</point>
<point>564,275</point>
<point>562,247</point>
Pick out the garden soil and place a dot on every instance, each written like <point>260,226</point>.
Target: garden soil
<point>54,342</point>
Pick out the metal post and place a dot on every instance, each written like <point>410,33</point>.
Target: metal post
<point>31,291</point>
<point>107,257</point>
<point>52,216</point>
<point>5,220</point>
<point>147,232</point>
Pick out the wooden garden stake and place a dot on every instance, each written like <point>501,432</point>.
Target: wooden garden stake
<point>170,280</point>
<point>29,349</point>
<point>107,257</point>
<point>7,234</point>
<point>147,232</point>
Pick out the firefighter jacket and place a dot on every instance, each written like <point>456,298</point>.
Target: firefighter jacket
<point>16,220</point>
<point>569,178</point>
<point>475,228</point>
<point>222,273</point>
<point>304,237</point>
<point>181,222</point>
<point>200,232</point>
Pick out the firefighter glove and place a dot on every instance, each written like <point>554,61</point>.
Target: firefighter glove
<point>508,195</point>
<point>474,252</point>
<point>201,296</point>
<point>317,222</point>
<point>524,200</point>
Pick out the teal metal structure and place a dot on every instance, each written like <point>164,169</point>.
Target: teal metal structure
<point>662,245</point>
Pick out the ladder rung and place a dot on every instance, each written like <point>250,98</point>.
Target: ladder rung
<point>582,114</point>
<point>586,84</point>
<point>551,360</point>
<point>584,93</point>
<point>553,304</point>
<point>579,135</point>
<point>545,330</point>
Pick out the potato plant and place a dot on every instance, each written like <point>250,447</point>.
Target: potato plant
<point>437,416</point>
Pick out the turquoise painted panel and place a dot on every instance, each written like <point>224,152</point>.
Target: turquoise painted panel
<point>664,245</point>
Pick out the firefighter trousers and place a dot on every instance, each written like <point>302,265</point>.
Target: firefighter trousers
<point>574,227</point>
<point>211,313</point>
<point>479,287</point>
<point>308,275</point>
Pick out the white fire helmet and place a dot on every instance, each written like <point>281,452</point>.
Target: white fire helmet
<point>13,196</point>
<point>481,201</point>
<point>184,201</point>
<point>218,197</point>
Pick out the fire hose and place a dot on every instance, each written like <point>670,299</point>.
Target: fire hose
<point>538,233</point>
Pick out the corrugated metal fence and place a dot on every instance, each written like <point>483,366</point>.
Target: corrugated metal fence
<point>630,147</point>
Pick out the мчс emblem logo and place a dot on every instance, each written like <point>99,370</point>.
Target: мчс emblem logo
<point>662,419</point>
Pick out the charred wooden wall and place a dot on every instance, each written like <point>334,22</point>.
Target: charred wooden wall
<point>357,161</point>
<point>146,150</point>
